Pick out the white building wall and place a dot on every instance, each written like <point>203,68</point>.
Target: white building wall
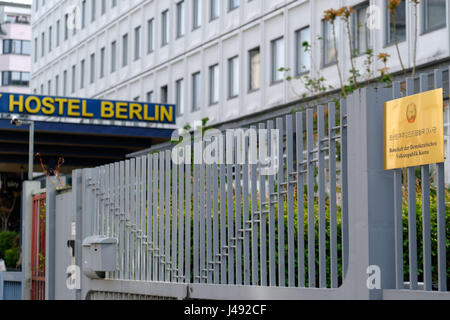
<point>254,23</point>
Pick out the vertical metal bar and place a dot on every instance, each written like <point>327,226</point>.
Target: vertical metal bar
<point>300,200</point>
<point>441,223</point>
<point>167,256</point>
<point>344,186</point>
<point>120,182</point>
<point>161,217</point>
<point>144,239</point>
<point>311,211</point>
<point>216,250</point>
<point>290,199</point>
<point>223,214</point>
<point>209,260</point>
<point>196,222</point>
<point>181,218</point>
<point>254,205</point>
<point>333,208</point>
<point>281,192</point>
<point>155,235</point>
<point>398,211</point>
<point>322,231</point>
<point>133,217</point>
<point>127,220</point>
<point>230,215</point>
<point>263,203</point>
<point>150,211</point>
<point>174,221</point>
<point>238,208</point>
<point>203,267</point>
<point>246,213</point>
<point>271,192</point>
<point>412,228</point>
<point>101,199</point>
<point>115,207</point>
<point>137,222</point>
<point>426,222</point>
<point>188,218</point>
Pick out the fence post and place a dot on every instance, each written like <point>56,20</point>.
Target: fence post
<point>371,195</point>
<point>50,231</point>
<point>28,189</point>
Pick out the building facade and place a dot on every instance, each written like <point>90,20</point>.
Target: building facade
<point>15,46</point>
<point>220,59</point>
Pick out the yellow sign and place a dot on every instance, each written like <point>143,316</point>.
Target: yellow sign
<point>414,130</point>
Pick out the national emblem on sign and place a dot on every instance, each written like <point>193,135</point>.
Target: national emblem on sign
<point>411,113</point>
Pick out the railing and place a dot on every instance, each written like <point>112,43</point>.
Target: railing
<point>197,223</point>
<point>227,227</point>
<point>431,269</point>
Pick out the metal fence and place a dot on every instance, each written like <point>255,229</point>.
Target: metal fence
<point>225,229</point>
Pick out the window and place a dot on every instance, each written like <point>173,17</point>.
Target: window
<point>50,35</point>
<point>434,16</point>
<point>150,35</point>
<point>214,84</point>
<point>103,8</point>
<point>149,96</point>
<point>179,96</point>
<point>196,14</point>
<point>35,49</point>
<point>102,62</point>
<point>43,44</point>
<point>82,70</point>
<point>214,9</point>
<point>196,91</point>
<point>328,51</point>
<point>254,69</point>
<point>125,50</point>
<point>302,54</point>
<point>233,4</point>
<point>93,10</point>
<point>83,14</point>
<point>92,72</point>
<point>277,52</point>
<point>361,33</point>
<point>233,77</point>
<point>113,56</point>
<point>65,83</point>
<point>137,43</point>
<point>49,87</point>
<point>22,47</point>
<point>165,28</point>
<point>400,24</point>
<point>164,94</point>
<point>57,32</point>
<point>56,85</point>
<point>66,26</point>
<point>74,68</point>
<point>15,78</point>
<point>180,19</point>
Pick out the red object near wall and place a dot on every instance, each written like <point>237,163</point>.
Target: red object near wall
<point>38,248</point>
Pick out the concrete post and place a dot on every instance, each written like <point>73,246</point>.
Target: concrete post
<point>28,189</point>
<point>371,195</point>
<point>50,238</point>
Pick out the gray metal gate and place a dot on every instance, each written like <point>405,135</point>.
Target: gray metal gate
<point>227,231</point>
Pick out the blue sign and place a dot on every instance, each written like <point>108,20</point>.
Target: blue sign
<point>86,108</point>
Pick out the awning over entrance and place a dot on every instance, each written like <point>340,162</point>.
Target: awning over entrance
<point>81,145</point>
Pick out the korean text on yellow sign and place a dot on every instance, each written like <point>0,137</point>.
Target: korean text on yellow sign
<point>414,130</point>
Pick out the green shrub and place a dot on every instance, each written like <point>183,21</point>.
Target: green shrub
<point>10,248</point>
